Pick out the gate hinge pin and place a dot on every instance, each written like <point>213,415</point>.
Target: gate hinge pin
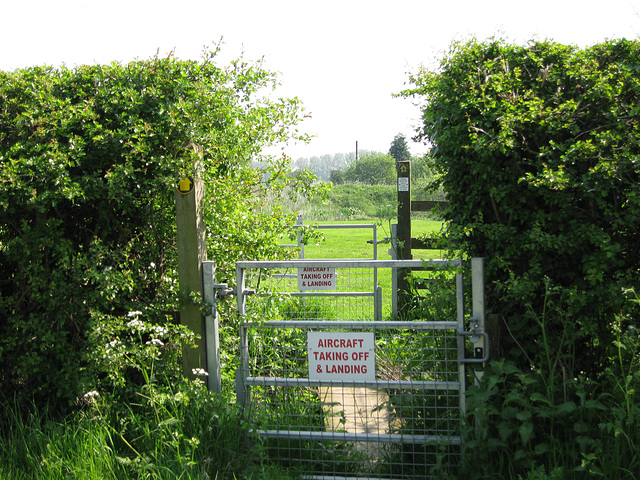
<point>226,292</point>
<point>221,290</point>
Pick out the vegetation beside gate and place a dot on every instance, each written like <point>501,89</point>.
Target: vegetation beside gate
<point>537,149</point>
<point>89,159</point>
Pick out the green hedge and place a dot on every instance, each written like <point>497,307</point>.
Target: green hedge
<point>538,151</point>
<point>89,158</point>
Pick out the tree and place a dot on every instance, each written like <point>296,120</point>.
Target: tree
<point>89,159</point>
<point>337,177</point>
<point>372,169</point>
<point>537,149</point>
<point>399,150</point>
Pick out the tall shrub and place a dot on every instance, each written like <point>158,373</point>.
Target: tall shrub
<point>537,149</point>
<point>89,158</point>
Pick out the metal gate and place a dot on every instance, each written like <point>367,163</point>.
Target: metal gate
<point>339,394</point>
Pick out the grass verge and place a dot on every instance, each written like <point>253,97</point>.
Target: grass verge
<point>181,432</point>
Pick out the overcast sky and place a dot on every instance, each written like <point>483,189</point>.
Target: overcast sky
<point>343,59</point>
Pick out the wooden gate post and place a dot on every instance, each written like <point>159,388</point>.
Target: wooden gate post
<point>404,229</point>
<point>192,251</point>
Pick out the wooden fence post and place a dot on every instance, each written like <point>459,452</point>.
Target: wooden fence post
<point>404,229</point>
<point>192,251</point>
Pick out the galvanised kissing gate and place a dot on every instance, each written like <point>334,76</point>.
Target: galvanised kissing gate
<point>340,394</point>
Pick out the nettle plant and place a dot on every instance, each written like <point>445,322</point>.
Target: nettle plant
<point>89,159</point>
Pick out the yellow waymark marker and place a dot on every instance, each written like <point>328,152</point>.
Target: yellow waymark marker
<point>185,185</point>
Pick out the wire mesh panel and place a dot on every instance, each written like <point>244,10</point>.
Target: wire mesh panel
<point>339,395</point>
<point>311,291</point>
<point>396,416</point>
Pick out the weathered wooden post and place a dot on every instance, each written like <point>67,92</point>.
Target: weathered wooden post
<point>404,229</point>
<point>192,251</point>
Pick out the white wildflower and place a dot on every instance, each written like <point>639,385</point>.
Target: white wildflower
<point>135,324</point>
<point>91,396</point>
<point>199,372</point>
<point>155,341</point>
<point>162,331</point>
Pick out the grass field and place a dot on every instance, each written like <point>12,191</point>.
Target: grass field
<point>352,242</point>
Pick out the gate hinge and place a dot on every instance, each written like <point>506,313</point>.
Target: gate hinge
<point>221,290</point>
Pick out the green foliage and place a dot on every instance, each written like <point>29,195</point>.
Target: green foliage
<point>337,177</point>
<point>544,423</point>
<point>127,350</point>
<point>530,421</point>
<point>537,150</point>
<point>89,158</point>
<point>356,200</point>
<point>351,201</point>
<point>367,199</point>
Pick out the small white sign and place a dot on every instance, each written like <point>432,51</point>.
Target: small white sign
<point>403,184</point>
<point>341,356</point>
<point>316,278</point>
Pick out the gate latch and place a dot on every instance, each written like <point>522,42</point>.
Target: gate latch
<point>481,354</point>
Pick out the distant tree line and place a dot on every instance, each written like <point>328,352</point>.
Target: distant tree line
<point>369,168</point>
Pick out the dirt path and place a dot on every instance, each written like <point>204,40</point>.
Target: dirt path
<point>363,411</point>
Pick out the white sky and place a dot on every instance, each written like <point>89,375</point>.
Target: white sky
<point>343,59</point>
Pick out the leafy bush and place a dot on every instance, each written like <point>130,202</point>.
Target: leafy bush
<point>543,423</point>
<point>537,150</point>
<point>88,163</point>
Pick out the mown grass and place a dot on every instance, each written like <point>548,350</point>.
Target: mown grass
<point>352,242</point>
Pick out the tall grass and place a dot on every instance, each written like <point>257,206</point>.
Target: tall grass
<point>170,433</point>
<point>40,446</point>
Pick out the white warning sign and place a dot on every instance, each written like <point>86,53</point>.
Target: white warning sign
<point>341,356</point>
<point>316,278</point>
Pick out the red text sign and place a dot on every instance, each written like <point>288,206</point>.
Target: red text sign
<point>341,356</point>
<point>316,278</point>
